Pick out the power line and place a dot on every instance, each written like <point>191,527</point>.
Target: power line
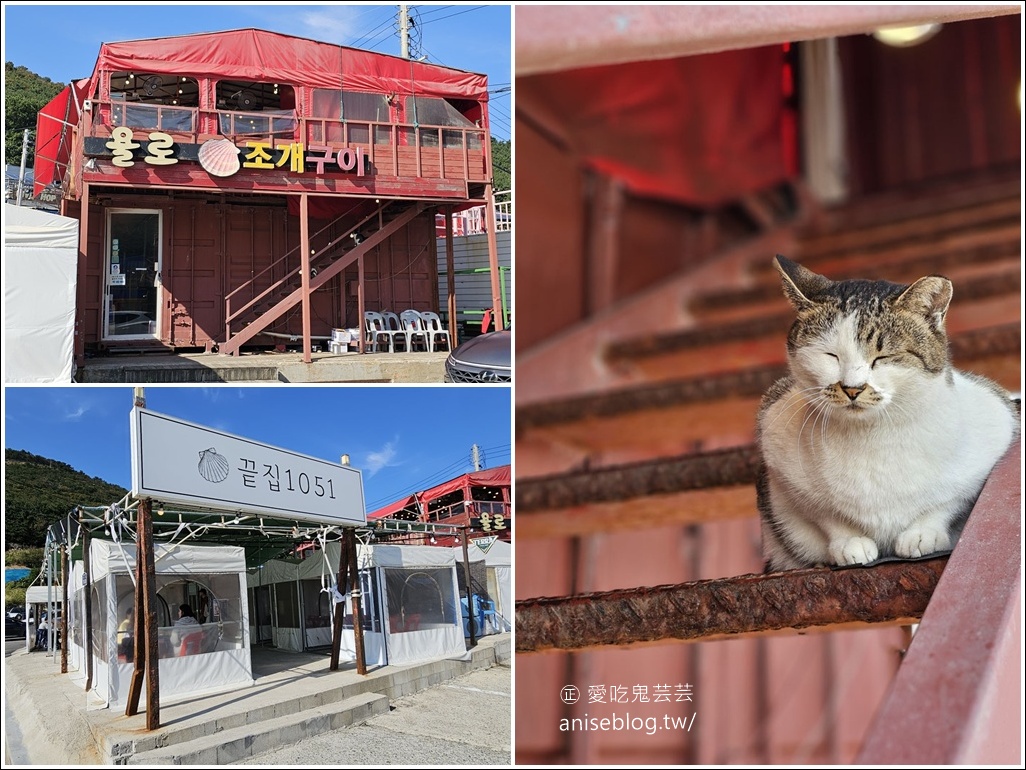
<point>465,10</point>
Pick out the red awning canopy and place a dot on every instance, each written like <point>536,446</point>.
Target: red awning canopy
<point>702,130</point>
<point>53,147</point>
<point>490,477</point>
<point>254,54</point>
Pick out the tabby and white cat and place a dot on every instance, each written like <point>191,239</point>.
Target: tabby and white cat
<point>873,445</point>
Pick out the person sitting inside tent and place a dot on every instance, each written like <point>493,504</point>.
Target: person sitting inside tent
<point>126,636</point>
<point>187,632</point>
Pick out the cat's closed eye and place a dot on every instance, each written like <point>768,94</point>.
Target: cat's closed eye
<point>878,359</point>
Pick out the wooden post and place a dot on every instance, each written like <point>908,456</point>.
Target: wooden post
<point>147,655</point>
<point>87,569</point>
<point>450,272</point>
<point>470,593</point>
<point>138,641</point>
<point>340,608</point>
<point>304,267</point>
<point>354,572</point>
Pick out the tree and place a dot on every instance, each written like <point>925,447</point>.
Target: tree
<point>501,164</point>
<point>39,492</point>
<point>25,94</point>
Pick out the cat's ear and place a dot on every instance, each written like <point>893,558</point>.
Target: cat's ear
<point>928,297</point>
<point>799,282</point>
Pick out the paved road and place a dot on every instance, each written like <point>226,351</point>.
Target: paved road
<point>466,721</point>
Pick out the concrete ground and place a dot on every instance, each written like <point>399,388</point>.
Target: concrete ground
<point>50,720</point>
<point>266,366</point>
<point>462,722</point>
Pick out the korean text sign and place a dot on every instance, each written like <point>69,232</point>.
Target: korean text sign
<point>177,462</point>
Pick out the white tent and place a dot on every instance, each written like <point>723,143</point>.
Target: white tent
<point>40,280</point>
<point>39,599</point>
<point>211,657</point>
<point>497,556</point>
<point>409,602</point>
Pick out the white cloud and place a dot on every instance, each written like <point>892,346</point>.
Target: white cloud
<point>333,26</point>
<point>375,461</point>
<point>76,413</point>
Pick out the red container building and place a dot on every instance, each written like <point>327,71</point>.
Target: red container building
<point>237,188</point>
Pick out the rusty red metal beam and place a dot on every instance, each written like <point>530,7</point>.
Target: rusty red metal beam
<point>892,592</point>
<point>730,467</point>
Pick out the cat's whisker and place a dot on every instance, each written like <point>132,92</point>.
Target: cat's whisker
<point>796,400</point>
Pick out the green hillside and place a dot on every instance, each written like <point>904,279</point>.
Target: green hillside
<point>25,94</point>
<point>38,492</point>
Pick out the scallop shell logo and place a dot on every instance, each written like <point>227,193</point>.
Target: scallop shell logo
<point>219,157</point>
<point>212,466</point>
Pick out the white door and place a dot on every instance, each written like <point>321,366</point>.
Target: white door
<point>132,297</point>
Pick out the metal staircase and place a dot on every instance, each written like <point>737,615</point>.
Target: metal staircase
<point>256,309</point>
<point>635,495</point>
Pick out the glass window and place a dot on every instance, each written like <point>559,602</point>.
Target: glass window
<point>215,603</point>
<point>363,106</point>
<point>156,102</point>
<point>419,598</point>
<point>152,88</point>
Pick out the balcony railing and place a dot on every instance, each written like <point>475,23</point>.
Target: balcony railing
<point>395,150</point>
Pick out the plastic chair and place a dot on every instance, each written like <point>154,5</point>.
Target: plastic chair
<point>374,326</point>
<point>192,644</point>
<point>433,325</point>
<point>413,326</point>
<point>488,613</point>
<point>394,329</point>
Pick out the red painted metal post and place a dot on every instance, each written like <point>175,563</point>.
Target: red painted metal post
<point>361,303</point>
<point>956,698</point>
<point>304,241</point>
<point>493,257</point>
<point>450,272</point>
<point>83,262</point>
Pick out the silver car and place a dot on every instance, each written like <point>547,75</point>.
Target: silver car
<point>485,358</point>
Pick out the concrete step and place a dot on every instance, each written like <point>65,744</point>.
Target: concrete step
<point>263,731</point>
<point>418,367</point>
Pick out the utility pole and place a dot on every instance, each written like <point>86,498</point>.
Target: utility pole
<point>24,160</point>
<point>475,456</point>
<point>404,31</point>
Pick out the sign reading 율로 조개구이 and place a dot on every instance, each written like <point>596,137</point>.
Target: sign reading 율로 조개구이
<point>177,462</point>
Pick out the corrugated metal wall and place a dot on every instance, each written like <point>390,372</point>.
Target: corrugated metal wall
<point>473,291</point>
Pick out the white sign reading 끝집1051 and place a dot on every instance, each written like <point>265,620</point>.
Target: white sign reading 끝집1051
<point>177,462</point>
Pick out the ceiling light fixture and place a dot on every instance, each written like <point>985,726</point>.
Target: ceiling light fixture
<point>906,36</point>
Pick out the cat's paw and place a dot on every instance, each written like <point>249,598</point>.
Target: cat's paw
<point>853,550</point>
<point>921,541</point>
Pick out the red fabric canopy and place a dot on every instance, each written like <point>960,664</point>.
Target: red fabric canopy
<point>253,54</point>
<point>52,147</point>
<point>703,130</point>
<point>490,477</point>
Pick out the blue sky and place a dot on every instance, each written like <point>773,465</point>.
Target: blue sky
<point>403,439</point>
<point>61,41</point>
